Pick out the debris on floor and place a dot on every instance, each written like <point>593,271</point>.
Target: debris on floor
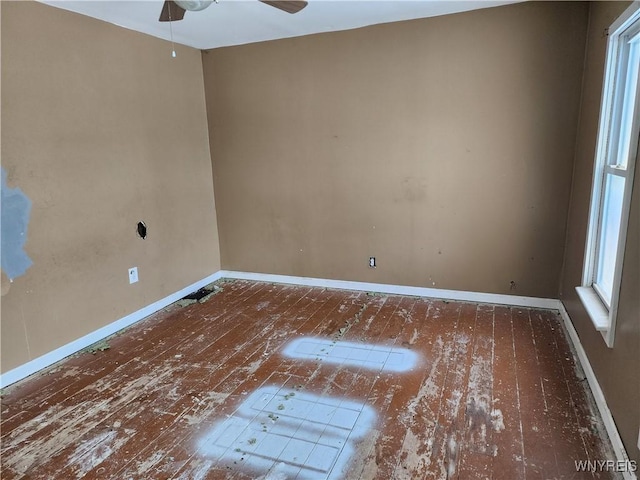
<point>413,388</point>
<point>199,296</point>
<point>100,346</point>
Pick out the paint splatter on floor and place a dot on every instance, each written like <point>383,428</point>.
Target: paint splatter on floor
<point>202,392</point>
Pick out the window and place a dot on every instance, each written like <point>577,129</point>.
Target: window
<point>616,152</point>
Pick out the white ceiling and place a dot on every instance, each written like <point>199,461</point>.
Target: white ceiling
<point>236,22</point>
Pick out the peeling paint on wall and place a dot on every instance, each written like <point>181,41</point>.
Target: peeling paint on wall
<point>16,208</point>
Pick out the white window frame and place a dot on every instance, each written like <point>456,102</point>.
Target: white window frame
<point>603,315</point>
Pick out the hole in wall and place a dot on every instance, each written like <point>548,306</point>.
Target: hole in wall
<point>142,230</point>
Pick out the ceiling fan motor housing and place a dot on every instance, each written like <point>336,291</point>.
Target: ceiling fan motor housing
<point>173,10</point>
<point>194,5</point>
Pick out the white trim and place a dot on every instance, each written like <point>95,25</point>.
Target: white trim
<point>625,19</point>
<point>609,423</point>
<point>64,351</point>
<point>75,346</point>
<point>398,289</point>
<point>595,308</point>
<point>611,99</point>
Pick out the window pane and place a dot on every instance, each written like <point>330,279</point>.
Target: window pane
<point>628,102</point>
<point>609,232</point>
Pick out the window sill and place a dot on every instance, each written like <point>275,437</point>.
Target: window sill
<point>595,308</point>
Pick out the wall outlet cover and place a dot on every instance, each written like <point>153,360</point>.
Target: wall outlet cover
<point>133,275</point>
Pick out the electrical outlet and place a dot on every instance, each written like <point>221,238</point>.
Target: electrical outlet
<point>372,262</point>
<point>133,274</point>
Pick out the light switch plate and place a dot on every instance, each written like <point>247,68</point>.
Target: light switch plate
<point>133,274</point>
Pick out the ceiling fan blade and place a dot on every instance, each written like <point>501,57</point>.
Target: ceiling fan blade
<point>289,6</point>
<point>171,11</point>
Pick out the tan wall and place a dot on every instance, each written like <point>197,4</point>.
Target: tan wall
<point>617,369</point>
<point>101,128</point>
<point>441,146</point>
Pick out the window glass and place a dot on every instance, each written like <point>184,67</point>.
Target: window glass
<point>609,234</point>
<point>616,151</point>
<point>628,101</point>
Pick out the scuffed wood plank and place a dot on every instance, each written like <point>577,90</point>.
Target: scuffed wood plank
<point>28,449</point>
<point>590,426</point>
<point>205,395</point>
<point>323,379</point>
<point>413,438</point>
<point>379,394</point>
<point>395,333</point>
<point>481,418</point>
<point>508,463</point>
<point>237,383</point>
<point>560,413</point>
<point>540,460</point>
<point>486,384</point>
<point>25,400</point>
<point>449,429</point>
<point>88,402</point>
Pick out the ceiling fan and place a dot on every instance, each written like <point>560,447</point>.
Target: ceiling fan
<point>173,10</point>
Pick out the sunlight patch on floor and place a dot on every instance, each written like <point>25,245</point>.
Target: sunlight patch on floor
<point>374,357</point>
<point>298,434</point>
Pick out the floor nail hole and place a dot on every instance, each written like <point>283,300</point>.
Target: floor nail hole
<point>142,230</point>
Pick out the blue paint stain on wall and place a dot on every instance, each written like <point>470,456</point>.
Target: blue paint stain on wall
<point>16,208</point>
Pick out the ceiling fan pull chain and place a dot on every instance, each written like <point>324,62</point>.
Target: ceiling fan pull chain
<point>173,46</point>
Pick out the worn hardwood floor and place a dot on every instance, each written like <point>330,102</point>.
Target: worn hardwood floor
<point>212,390</point>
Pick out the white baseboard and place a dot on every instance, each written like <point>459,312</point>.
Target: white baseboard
<point>601,402</point>
<point>458,295</point>
<point>58,354</point>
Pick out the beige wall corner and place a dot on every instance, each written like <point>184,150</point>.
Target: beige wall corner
<point>617,369</point>
<point>101,128</point>
<point>442,146</point>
